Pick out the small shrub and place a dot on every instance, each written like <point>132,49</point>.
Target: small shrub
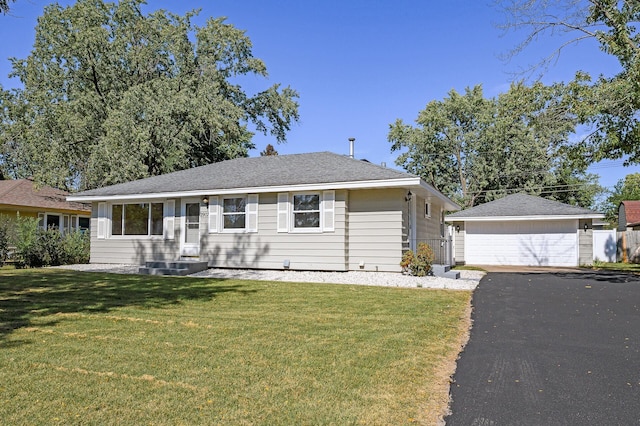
<point>75,248</point>
<point>5,235</point>
<point>408,258</point>
<point>49,247</point>
<point>25,241</point>
<point>419,263</point>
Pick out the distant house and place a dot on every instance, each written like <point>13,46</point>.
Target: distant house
<point>318,211</point>
<point>629,215</point>
<point>48,204</point>
<point>521,229</point>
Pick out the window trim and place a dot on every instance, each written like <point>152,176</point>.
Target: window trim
<point>285,213</point>
<point>71,219</point>
<point>215,223</point>
<point>149,235</point>
<point>292,214</point>
<point>222,214</point>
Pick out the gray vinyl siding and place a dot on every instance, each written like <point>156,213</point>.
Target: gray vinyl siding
<point>585,242</point>
<point>376,229</point>
<point>369,228</point>
<point>428,228</point>
<point>134,250</point>
<point>458,242</point>
<point>268,249</point>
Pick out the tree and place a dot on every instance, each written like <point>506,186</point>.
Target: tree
<point>475,149</point>
<point>110,95</point>
<point>269,150</point>
<point>624,190</point>
<point>4,5</point>
<point>608,105</point>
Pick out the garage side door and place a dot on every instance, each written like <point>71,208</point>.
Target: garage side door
<point>532,243</point>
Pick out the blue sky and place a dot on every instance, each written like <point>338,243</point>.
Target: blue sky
<point>359,65</point>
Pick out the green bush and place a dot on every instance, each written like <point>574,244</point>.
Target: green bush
<point>419,263</point>
<point>37,247</point>
<point>75,247</point>
<point>26,241</point>
<point>5,235</point>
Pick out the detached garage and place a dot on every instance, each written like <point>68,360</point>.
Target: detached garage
<point>524,230</point>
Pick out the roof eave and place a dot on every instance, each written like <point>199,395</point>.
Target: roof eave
<point>520,218</point>
<point>448,204</point>
<point>371,184</point>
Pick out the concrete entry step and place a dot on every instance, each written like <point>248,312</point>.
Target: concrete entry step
<point>180,267</point>
<point>444,271</point>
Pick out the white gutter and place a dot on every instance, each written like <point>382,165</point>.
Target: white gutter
<point>522,218</point>
<point>396,183</point>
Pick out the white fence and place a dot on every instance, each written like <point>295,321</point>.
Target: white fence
<point>605,245</point>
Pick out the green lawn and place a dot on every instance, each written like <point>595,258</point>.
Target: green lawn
<point>93,348</point>
<point>621,267</point>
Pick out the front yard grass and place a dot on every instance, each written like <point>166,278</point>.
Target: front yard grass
<point>95,348</point>
<point>617,266</point>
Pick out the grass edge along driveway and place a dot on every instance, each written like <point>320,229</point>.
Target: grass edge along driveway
<point>95,348</point>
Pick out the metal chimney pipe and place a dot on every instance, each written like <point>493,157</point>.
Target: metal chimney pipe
<point>351,146</point>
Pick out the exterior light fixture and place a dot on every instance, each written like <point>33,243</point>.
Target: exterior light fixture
<point>205,200</point>
<point>408,197</point>
<point>457,228</point>
<point>586,226</point>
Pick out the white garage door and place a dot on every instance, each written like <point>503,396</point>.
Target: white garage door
<point>534,243</point>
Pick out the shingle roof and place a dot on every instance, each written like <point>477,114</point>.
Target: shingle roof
<point>521,205</point>
<point>22,193</point>
<point>279,170</point>
<point>632,212</point>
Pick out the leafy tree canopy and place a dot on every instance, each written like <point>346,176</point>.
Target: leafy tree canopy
<point>609,105</point>
<point>110,94</point>
<point>4,5</point>
<point>625,189</point>
<point>475,149</point>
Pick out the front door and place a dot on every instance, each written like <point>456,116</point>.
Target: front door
<point>191,228</point>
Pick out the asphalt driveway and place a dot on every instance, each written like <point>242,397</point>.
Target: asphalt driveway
<point>551,349</point>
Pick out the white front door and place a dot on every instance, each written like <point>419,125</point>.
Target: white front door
<point>190,238</point>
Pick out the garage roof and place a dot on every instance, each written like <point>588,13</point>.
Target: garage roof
<point>632,212</point>
<point>523,206</point>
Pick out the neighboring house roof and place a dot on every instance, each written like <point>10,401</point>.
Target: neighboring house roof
<point>22,193</point>
<point>632,212</point>
<point>320,170</point>
<point>523,206</point>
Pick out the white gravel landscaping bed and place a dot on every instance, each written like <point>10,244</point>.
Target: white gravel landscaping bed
<point>468,279</point>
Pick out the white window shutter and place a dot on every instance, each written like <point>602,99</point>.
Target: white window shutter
<point>169,219</point>
<point>283,212</point>
<point>328,210</point>
<point>102,220</point>
<point>252,213</point>
<point>213,214</point>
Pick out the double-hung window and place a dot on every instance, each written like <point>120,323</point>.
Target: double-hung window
<point>137,219</point>
<point>306,211</point>
<point>234,213</point>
